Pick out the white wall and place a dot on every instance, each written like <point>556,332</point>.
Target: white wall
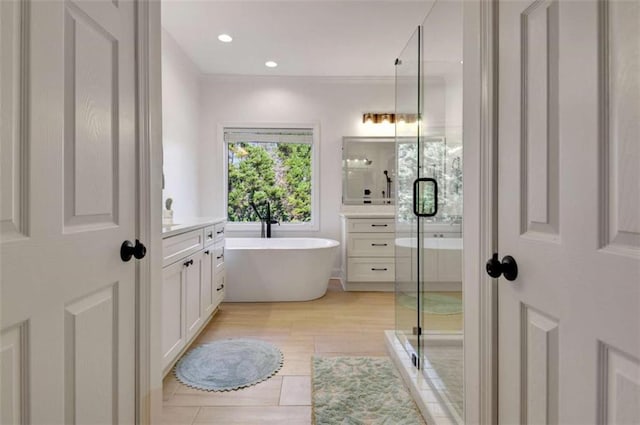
<point>336,105</point>
<point>180,128</point>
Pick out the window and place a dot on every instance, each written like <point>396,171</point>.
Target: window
<point>274,165</point>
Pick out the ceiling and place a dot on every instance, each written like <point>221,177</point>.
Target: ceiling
<point>305,37</point>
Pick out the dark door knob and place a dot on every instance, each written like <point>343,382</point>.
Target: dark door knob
<point>128,250</point>
<point>507,267</point>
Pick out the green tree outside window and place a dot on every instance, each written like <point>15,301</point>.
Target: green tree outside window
<point>276,172</point>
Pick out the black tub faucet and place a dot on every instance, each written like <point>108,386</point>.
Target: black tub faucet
<point>266,220</point>
<point>269,220</point>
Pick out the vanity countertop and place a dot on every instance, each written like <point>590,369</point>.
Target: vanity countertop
<point>358,214</point>
<point>185,225</point>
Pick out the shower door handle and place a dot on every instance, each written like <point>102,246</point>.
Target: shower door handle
<point>419,186</point>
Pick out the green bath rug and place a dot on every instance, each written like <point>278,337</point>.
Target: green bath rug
<point>360,390</point>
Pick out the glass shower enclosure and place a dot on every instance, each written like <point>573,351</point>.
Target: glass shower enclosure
<point>428,245</point>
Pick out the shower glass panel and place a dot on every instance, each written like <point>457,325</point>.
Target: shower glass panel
<point>408,111</point>
<point>441,269</point>
<point>429,307</point>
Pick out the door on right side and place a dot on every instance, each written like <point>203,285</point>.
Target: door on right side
<point>569,211</point>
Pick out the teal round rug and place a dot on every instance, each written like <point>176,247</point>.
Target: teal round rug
<point>433,303</point>
<point>229,364</point>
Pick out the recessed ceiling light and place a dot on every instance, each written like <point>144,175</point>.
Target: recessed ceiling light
<point>225,38</point>
<point>270,64</point>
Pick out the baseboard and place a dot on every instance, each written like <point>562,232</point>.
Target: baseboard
<point>390,286</point>
<point>336,274</point>
<point>369,286</point>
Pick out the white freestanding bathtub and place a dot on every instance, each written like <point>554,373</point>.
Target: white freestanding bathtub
<point>278,269</point>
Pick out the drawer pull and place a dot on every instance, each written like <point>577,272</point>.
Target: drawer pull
<point>219,232</point>
<point>220,288</point>
<point>207,252</point>
<point>379,225</point>
<point>378,244</point>
<point>188,263</point>
<point>210,235</point>
<point>373,269</point>
<point>220,257</point>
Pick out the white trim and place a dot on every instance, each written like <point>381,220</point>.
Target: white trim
<point>149,160</point>
<point>480,211</point>
<point>302,78</point>
<point>314,225</point>
<point>434,408</point>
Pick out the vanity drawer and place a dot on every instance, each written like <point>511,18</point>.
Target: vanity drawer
<point>218,252</point>
<point>371,245</point>
<point>218,231</point>
<point>209,235</point>
<point>177,247</point>
<point>372,225</point>
<point>371,270</point>
<point>219,288</point>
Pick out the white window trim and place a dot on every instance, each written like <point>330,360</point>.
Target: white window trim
<point>314,224</point>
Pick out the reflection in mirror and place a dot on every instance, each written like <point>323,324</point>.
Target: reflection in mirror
<point>441,161</point>
<point>368,170</point>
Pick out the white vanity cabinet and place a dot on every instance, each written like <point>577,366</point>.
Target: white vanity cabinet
<point>191,279</point>
<point>368,253</point>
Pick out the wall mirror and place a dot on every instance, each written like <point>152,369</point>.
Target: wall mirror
<point>368,170</point>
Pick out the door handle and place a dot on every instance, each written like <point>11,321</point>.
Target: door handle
<point>507,267</point>
<point>128,250</point>
<point>417,208</point>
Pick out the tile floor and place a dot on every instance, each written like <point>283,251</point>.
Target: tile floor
<point>340,323</point>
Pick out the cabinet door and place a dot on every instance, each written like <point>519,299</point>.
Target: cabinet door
<point>219,274</point>
<point>173,329</point>
<point>193,283</point>
<point>208,288</point>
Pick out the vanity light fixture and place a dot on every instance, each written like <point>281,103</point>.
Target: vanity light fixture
<point>270,64</point>
<point>368,118</point>
<point>225,38</point>
<point>378,118</point>
<point>406,118</point>
<point>388,118</point>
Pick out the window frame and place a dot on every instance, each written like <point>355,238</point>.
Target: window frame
<point>311,226</point>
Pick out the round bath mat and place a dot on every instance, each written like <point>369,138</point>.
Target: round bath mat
<point>229,364</point>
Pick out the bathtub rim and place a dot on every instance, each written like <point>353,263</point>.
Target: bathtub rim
<point>261,247</point>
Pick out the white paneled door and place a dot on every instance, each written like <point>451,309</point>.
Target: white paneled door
<point>569,211</point>
<point>68,202</point>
